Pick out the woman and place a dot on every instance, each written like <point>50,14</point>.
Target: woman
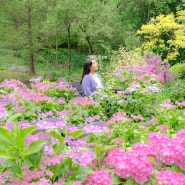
<point>91,81</point>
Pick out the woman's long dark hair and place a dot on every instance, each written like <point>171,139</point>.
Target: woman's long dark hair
<point>86,68</point>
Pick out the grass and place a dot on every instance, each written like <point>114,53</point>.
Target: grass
<point>8,58</point>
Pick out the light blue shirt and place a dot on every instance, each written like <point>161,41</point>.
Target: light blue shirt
<point>89,85</point>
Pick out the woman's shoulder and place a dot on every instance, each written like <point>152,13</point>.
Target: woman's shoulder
<point>86,78</point>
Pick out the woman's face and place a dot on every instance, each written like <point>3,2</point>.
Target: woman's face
<point>94,66</point>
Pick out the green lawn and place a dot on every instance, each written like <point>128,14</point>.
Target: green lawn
<point>8,58</point>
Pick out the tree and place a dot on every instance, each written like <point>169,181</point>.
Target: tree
<point>96,22</point>
<point>52,28</point>
<point>22,17</point>
<point>67,10</point>
<point>165,35</point>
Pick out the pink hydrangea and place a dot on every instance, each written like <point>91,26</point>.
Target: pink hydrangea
<point>99,177</point>
<point>114,156</point>
<point>158,141</point>
<point>171,151</point>
<point>119,117</point>
<point>135,166</point>
<point>144,150</point>
<point>170,178</point>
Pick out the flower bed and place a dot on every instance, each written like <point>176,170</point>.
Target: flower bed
<point>49,135</point>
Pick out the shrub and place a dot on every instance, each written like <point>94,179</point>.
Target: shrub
<point>165,35</point>
<point>178,70</point>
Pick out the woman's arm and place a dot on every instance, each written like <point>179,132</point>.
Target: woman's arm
<point>86,86</point>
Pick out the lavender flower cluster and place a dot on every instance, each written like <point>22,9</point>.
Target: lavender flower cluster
<point>153,89</point>
<point>130,90</point>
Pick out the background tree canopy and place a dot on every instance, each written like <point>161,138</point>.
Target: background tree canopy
<point>88,27</point>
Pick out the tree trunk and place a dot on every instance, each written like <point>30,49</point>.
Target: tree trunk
<point>79,53</point>
<point>91,52</point>
<point>90,45</point>
<point>69,45</point>
<point>30,42</point>
<point>57,50</point>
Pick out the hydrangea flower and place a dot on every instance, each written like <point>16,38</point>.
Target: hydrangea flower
<point>170,178</point>
<point>99,177</point>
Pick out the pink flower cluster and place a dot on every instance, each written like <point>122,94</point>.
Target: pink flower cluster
<point>171,151</point>
<point>135,85</point>
<point>12,84</point>
<point>21,108</point>
<point>35,177</point>
<point>94,129</point>
<point>42,86</point>
<point>182,104</point>
<point>2,110</point>
<point>52,160</point>
<point>64,85</point>
<point>45,114</point>
<point>41,136</point>
<point>83,101</point>
<point>77,143</point>
<point>113,157</point>
<point>51,123</point>
<point>31,95</point>
<point>84,158</point>
<point>170,178</point>
<point>23,92</point>
<point>99,177</point>
<point>71,129</point>
<point>61,100</point>
<point>119,117</point>
<point>36,80</point>
<point>9,99</point>
<point>134,164</point>
<point>92,119</point>
<point>138,117</point>
<point>144,150</point>
<point>167,104</point>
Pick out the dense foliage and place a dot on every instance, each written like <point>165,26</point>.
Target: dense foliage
<point>87,26</point>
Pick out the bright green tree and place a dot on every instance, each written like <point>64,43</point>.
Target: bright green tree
<point>165,35</point>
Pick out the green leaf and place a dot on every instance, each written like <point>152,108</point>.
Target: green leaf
<point>35,158</point>
<point>23,134</point>
<point>130,181</point>
<point>152,160</point>
<point>69,183</point>
<point>76,134</point>
<point>13,117</point>
<point>116,180</point>
<point>5,137</point>
<point>56,135</point>
<point>58,148</point>
<point>34,147</point>
<point>6,155</point>
<point>64,166</point>
<point>16,169</point>
<point>3,91</point>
